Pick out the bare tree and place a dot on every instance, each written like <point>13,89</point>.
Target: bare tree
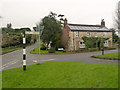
<point>61,17</point>
<point>117,24</point>
<point>117,18</point>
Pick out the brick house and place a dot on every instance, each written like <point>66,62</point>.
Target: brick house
<point>72,34</point>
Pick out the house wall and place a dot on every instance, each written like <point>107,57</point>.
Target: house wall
<point>71,42</point>
<point>65,37</point>
<point>74,41</point>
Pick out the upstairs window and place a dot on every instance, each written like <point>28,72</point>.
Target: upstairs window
<point>77,34</point>
<point>88,34</point>
<point>104,34</point>
<point>95,34</point>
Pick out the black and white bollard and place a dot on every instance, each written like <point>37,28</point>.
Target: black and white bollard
<point>24,51</point>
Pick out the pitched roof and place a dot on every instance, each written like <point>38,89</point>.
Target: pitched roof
<point>83,27</point>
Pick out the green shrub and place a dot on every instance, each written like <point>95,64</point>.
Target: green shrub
<point>64,50</point>
<point>80,50</point>
<point>109,48</point>
<point>4,45</point>
<point>85,50</point>
<point>92,49</point>
<point>42,47</point>
<point>51,50</point>
<point>28,38</point>
<point>94,42</point>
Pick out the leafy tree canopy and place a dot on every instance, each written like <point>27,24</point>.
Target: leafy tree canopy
<point>115,38</point>
<point>52,30</point>
<point>94,42</point>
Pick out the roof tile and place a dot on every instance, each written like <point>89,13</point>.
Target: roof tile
<point>83,27</point>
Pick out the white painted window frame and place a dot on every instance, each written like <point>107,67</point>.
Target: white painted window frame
<point>82,45</point>
<point>88,33</point>
<point>104,34</point>
<point>77,33</point>
<point>95,34</point>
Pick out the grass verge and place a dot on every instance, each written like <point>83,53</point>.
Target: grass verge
<point>113,56</point>
<point>34,51</point>
<point>6,50</point>
<point>62,74</point>
<point>13,48</point>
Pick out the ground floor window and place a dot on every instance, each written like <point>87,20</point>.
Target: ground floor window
<point>82,45</point>
<point>105,43</point>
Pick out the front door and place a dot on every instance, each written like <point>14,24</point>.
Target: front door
<point>109,43</point>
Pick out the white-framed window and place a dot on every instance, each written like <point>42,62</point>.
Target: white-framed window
<point>95,34</point>
<point>82,45</point>
<point>104,34</point>
<point>105,43</point>
<point>77,34</point>
<point>88,34</point>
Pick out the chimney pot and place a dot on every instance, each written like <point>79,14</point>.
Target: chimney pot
<point>102,23</point>
<point>65,22</point>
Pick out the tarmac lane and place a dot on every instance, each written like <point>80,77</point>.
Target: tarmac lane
<point>15,59</point>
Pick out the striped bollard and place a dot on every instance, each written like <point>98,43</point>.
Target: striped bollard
<point>24,51</point>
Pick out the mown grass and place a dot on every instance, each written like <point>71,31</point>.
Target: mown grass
<point>109,56</point>
<point>6,50</point>
<point>12,48</point>
<point>62,74</point>
<point>0,80</point>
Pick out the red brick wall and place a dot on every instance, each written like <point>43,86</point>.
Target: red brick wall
<point>65,37</point>
<point>70,44</point>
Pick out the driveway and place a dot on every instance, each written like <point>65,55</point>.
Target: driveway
<point>14,59</point>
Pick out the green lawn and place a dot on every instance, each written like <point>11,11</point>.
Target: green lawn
<point>10,49</point>
<point>109,56</point>
<point>62,74</point>
<point>6,50</point>
<point>34,51</point>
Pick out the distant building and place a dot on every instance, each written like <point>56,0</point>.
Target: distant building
<point>72,34</point>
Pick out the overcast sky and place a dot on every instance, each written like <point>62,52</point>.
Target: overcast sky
<point>26,13</point>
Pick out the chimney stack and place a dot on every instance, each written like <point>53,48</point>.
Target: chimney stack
<point>65,22</point>
<point>102,23</point>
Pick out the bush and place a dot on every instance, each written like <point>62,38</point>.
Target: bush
<point>94,42</point>
<point>92,49</point>
<point>4,45</point>
<point>42,47</point>
<point>80,50</point>
<point>109,48</point>
<point>51,50</point>
<point>28,38</point>
<point>85,50</point>
<point>64,50</point>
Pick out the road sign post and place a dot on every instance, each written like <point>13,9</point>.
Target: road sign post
<point>24,46</point>
<point>40,30</point>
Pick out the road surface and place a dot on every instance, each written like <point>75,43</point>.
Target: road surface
<point>14,59</point>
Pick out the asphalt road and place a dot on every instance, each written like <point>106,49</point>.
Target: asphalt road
<point>14,59</point>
